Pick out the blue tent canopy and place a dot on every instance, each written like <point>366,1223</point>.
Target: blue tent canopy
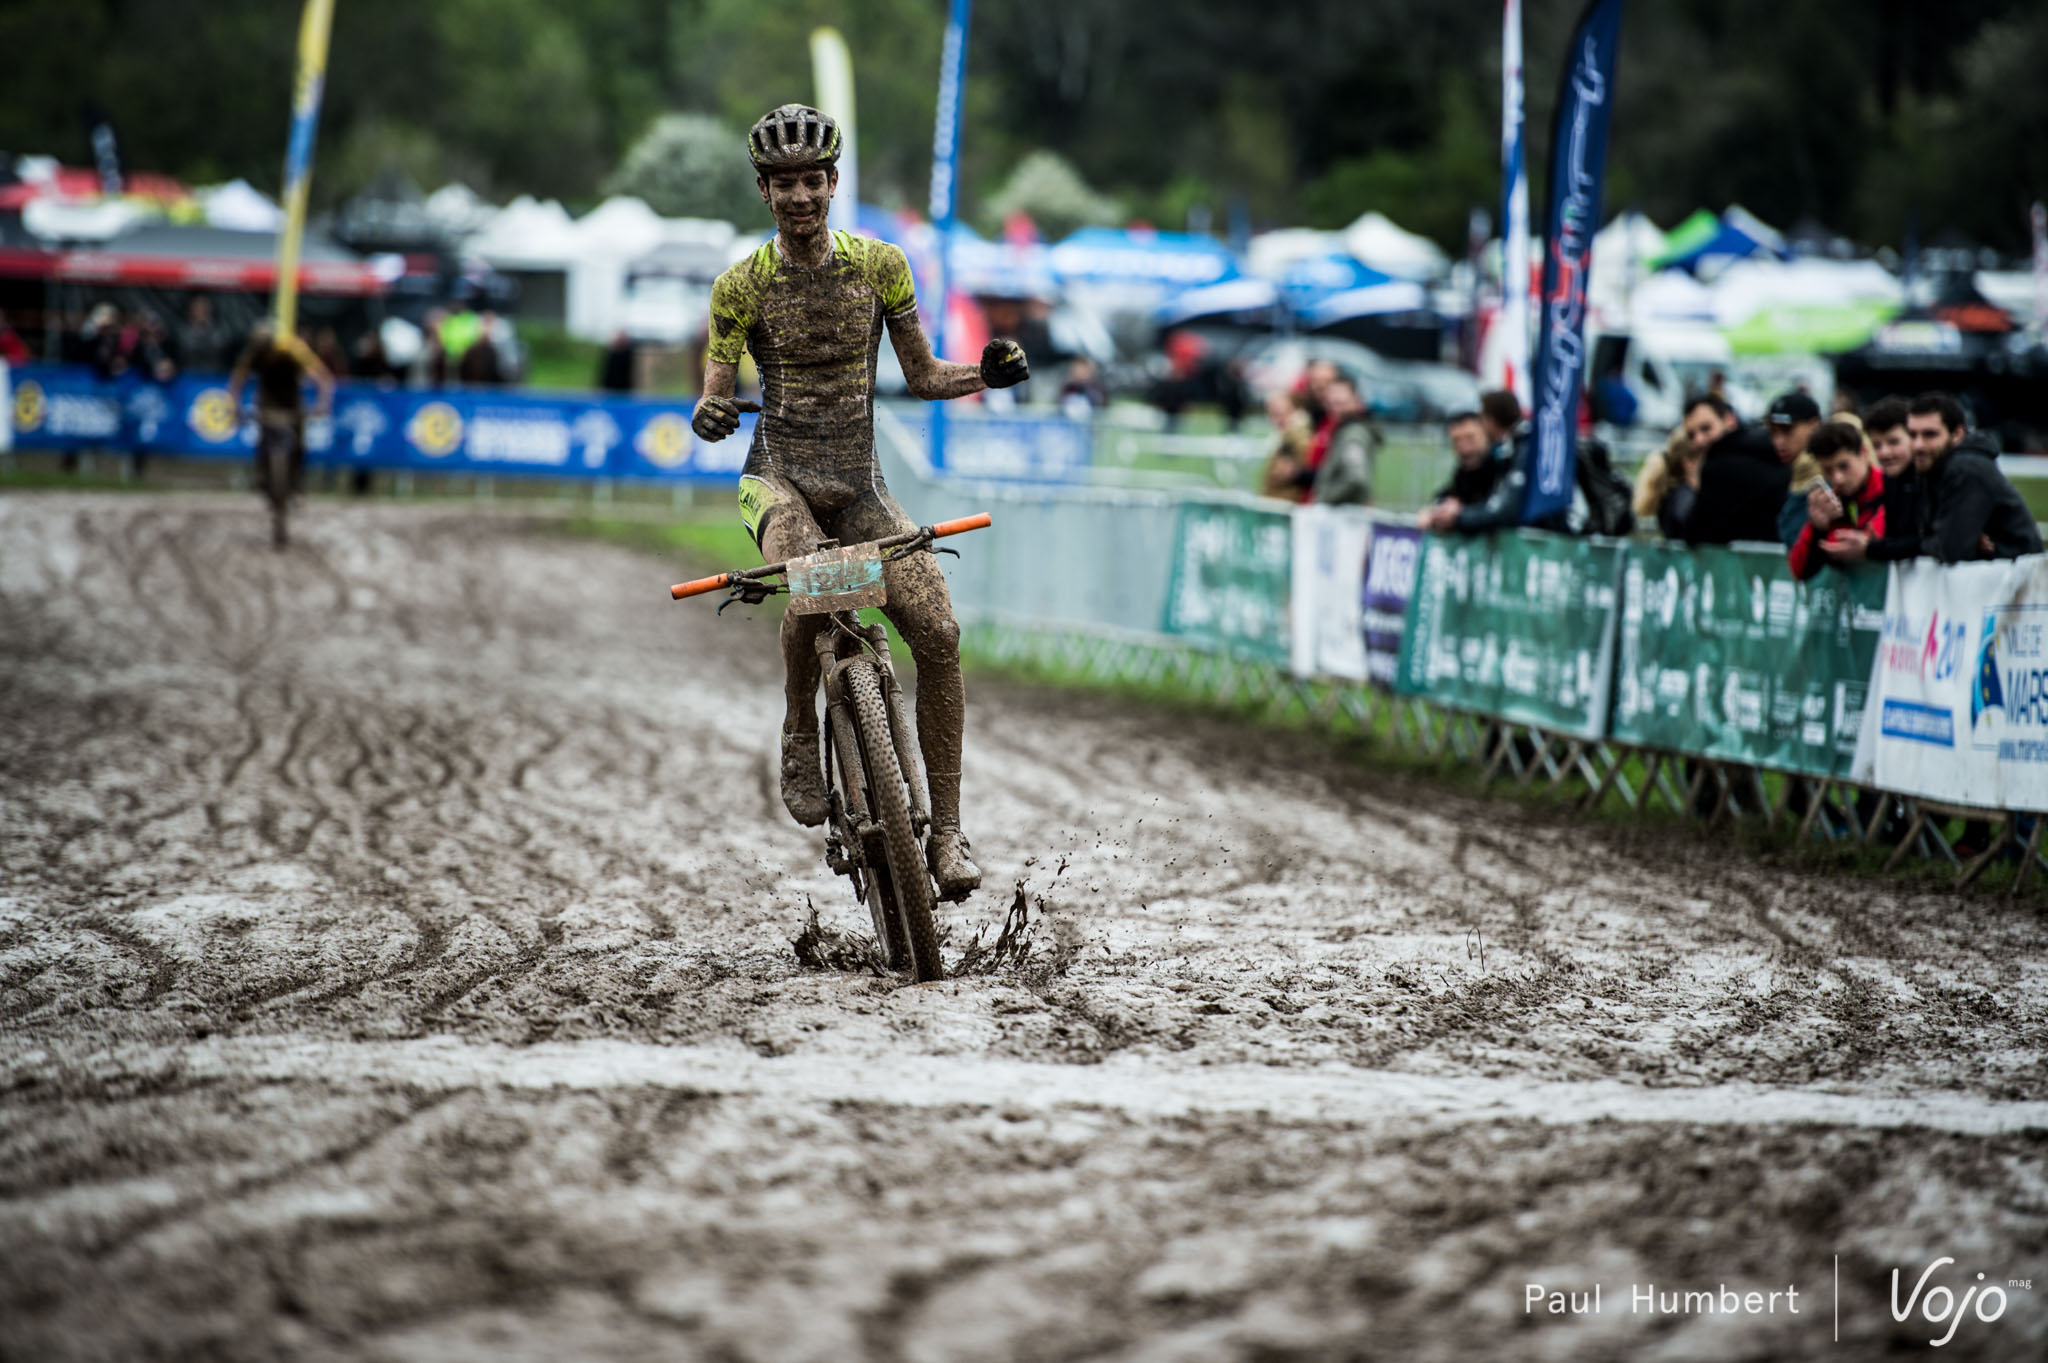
<point>1308,282</point>
<point>1174,260</point>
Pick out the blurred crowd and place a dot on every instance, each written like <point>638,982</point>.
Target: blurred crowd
<point>457,346</point>
<point>1908,478</point>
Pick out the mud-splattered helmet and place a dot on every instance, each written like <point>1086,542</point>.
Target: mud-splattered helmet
<point>791,136</point>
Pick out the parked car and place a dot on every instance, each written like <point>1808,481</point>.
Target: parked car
<point>1395,390</point>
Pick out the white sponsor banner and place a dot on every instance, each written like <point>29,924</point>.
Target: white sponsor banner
<point>1330,544</point>
<point>1958,707</point>
<point>1352,574</point>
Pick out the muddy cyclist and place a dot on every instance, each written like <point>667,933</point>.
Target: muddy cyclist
<point>811,305</point>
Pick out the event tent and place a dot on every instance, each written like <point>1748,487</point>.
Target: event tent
<point>1378,241</point>
<point>1705,244</point>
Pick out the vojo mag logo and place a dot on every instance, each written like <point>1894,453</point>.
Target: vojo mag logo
<point>30,406</point>
<point>212,416</point>
<point>435,430</point>
<point>664,441</point>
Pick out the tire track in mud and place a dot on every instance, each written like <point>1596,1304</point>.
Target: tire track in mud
<point>1138,1088</point>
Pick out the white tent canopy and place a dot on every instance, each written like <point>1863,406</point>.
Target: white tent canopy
<point>458,209</point>
<point>1271,254</point>
<point>1381,243</point>
<point>239,207</point>
<point>527,234</point>
<point>1747,287</point>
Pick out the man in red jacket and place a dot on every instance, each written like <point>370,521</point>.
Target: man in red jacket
<point>1852,500</point>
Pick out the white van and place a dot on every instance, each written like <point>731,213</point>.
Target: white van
<point>1664,365</point>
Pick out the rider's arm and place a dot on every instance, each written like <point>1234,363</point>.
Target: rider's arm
<point>928,376</point>
<point>239,377</point>
<point>323,379</point>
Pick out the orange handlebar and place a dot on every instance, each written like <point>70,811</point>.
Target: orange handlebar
<point>700,586</point>
<point>980,521</point>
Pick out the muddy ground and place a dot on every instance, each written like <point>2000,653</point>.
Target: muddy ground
<point>395,964</point>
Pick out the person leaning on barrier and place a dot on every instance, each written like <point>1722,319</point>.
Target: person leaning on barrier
<point>1969,510</point>
<point>1742,482</point>
<point>1507,437</point>
<point>1293,428</point>
<point>1472,480</point>
<point>1344,475</point>
<point>1792,420</point>
<point>1664,471</point>
<point>1851,496</point>
<point>1884,426</point>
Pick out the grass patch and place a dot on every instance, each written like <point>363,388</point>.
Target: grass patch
<point>559,362</point>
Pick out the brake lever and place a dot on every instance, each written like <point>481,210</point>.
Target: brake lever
<point>921,543</point>
<point>750,592</point>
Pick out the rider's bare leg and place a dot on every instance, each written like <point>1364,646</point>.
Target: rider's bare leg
<point>922,611</point>
<point>789,532</point>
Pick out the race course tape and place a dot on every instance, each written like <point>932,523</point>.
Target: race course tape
<point>1323,1094</point>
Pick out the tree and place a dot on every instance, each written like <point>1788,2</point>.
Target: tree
<point>690,166</point>
<point>1052,194</point>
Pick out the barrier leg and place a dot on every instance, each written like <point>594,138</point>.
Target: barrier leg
<point>1983,858</point>
<point>1913,828</point>
<point>1650,774</point>
<point>2019,881</point>
<point>1820,796</point>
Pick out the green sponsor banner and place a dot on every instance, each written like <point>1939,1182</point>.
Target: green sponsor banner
<point>1723,654</point>
<point>1516,625</point>
<point>1232,567</point>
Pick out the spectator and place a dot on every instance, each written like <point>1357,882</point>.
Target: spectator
<point>1792,420</point>
<point>459,330</point>
<point>615,373</point>
<point>482,365</point>
<point>1970,508</point>
<point>108,342</point>
<point>326,344</point>
<point>154,355</point>
<point>371,362</point>
<point>1507,436</point>
<point>1673,469</point>
<point>1853,497</point>
<point>1472,480</point>
<point>1884,426</point>
<point>1343,476</point>
<point>1742,481</point>
<point>1288,463</point>
<point>1082,395</point>
<point>13,350</point>
<point>430,366</point>
<point>202,342</point>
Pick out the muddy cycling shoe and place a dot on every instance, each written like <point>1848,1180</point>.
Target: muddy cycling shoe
<point>956,873</point>
<point>803,779</point>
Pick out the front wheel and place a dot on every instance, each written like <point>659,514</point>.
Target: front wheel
<point>908,884</point>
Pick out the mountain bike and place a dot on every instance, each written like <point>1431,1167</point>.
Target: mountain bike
<point>880,811</point>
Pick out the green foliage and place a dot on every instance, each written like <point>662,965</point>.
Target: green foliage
<point>1054,195</point>
<point>1430,190</point>
<point>1851,113</point>
<point>690,166</point>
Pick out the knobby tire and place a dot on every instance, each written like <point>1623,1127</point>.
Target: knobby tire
<point>889,804</point>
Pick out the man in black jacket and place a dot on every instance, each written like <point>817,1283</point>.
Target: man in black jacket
<point>1473,480</point>
<point>1969,509</point>
<point>1743,484</point>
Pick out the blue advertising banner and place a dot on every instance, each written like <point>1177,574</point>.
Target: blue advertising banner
<point>471,431</point>
<point>1578,163</point>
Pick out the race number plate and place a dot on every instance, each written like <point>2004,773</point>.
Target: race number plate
<point>836,580</point>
